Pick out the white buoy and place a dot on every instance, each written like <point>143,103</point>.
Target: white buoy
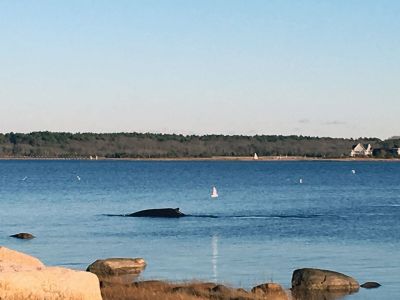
<point>214,193</point>
<point>301,180</point>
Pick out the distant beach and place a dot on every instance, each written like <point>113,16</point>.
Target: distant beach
<point>213,158</point>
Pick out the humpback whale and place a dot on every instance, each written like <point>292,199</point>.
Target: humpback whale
<point>158,213</point>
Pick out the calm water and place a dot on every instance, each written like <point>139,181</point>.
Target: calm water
<point>267,225</point>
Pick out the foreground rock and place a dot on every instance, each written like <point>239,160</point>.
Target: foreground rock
<point>23,236</point>
<point>11,260</point>
<point>323,280</point>
<point>370,285</point>
<point>158,213</point>
<point>25,277</point>
<point>123,270</point>
<point>270,291</point>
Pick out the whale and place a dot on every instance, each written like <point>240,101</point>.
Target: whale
<point>158,213</point>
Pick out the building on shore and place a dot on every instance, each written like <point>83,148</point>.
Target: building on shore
<point>361,150</point>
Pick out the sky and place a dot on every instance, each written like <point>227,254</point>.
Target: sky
<point>318,68</point>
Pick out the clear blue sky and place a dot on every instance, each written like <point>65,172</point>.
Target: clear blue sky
<point>325,68</point>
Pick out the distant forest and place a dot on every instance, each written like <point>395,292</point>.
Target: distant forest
<point>152,145</point>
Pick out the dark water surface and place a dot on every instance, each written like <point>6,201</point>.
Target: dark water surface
<point>266,222</point>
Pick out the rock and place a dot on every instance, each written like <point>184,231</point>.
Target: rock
<point>23,236</point>
<point>316,279</point>
<point>270,289</point>
<point>158,213</point>
<point>11,260</point>
<point>370,285</point>
<point>123,270</point>
<point>49,283</point>
<point>25,277</point>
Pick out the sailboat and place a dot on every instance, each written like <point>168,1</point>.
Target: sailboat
<point>214,193</point>
<point>255,156</point>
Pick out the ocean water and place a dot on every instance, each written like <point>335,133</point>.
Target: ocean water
<point>265,222</point>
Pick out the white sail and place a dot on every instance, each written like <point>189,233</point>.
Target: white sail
<point>255,156</point>
<point>214,193</point>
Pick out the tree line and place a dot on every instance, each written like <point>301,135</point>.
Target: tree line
<point>157,145</point>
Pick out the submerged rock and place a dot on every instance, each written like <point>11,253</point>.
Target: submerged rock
<point>23,236</point>
<point>158,213</point>
<point>323,280</point>
<point>370,285</point>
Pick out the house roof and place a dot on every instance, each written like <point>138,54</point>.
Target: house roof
<point>361,146</point>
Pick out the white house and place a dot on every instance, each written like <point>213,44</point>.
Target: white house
<point>361,150</point>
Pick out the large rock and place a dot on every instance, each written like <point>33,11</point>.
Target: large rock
<point>52,283</point>
<point>158,213</point>
<point>25,277</point>
<point>11,260</point>
<point>117,266</point>
<point>122,270</point>
<point>323,280</point>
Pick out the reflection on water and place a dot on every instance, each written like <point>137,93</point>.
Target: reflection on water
<point>214,257</point>
<point>319,295</point>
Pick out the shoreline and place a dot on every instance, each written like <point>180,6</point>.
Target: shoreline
<point>213,158</point>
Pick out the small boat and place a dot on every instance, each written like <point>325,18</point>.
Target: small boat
<point>214,193</point>
<point>255,156</point>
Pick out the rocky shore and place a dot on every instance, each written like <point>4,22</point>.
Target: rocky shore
<point>23,277</point>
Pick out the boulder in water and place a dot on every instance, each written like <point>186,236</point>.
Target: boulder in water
<point>123,269</point>
<point>158,213</point>
<point>23,236</point>
<point>323,280</point>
